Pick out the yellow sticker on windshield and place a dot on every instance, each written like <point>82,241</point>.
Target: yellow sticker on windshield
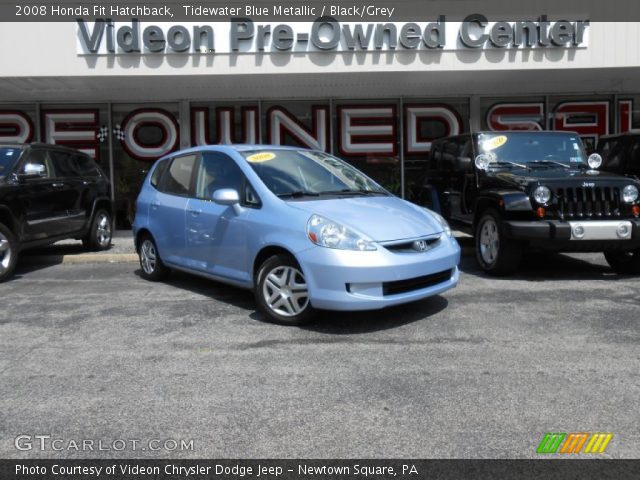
<point>261,157</point>
<point>494,142</point>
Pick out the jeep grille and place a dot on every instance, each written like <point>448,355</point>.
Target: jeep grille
<point>589,202</point>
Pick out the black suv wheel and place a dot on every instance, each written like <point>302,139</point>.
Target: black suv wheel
<point>496,254</point>
<point>281,291</point>
<point>624,262</point>
<point>99,236</point>
<point>8,253</point>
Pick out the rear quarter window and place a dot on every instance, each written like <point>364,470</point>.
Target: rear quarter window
<point>156,175</point>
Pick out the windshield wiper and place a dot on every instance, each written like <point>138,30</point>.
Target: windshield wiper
<point>348,191</point>
<point>507,162</point>
<point>298,194</point>
<point>552,162</point>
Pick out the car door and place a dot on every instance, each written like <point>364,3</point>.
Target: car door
<point>217,236</point>
<point>39,194</point>
<point>70,191</point>
<point>167,209</point>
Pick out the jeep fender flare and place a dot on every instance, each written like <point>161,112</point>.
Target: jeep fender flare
<point>501,200</point>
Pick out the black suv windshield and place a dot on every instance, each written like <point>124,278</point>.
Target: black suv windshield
<point>8,156</point>
<point>297,173</point>
<point>533,148</point>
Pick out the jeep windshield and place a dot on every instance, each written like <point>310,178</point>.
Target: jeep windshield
<point>304,173</point>
<point>8,156</point>
<point>533,149</point>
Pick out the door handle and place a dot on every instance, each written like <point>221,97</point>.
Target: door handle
<point>155,205</point>
<point>195,213</point>
<point>57,185</point>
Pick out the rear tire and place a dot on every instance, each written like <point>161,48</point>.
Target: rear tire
<point>153,268</point>
<point>100,234</point>
<point>281,291</point>
<point>624,262</point>
<point>496,254</point>
<point>8,253</point>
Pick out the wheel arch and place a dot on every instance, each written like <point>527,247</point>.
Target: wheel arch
<point>267,252</point>
<point>136,241</point>
<point>7,219</point>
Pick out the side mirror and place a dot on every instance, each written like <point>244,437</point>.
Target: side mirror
<point>228,197</point>
<point>463,163</point>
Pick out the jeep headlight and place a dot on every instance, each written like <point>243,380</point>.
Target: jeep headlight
<point>440,219</point>
<point>542,195</point>
<point>630,194</point>
<point>330,234</point>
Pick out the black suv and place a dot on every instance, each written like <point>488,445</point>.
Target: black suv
<point>621,153</point>
<point>533,189</point>
<point>49,193</point>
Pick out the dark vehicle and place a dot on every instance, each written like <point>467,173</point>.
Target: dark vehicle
<point>50,193</point>
<point>621,153</point>
<point>533,189</point>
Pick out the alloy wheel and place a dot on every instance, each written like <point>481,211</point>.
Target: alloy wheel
<point>489,241</point>
<point>148,257</point>
<point>103,227</point>
<point>5,253</point>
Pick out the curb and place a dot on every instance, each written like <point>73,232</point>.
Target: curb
<point>78,259</point>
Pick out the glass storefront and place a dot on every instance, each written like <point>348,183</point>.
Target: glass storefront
<point>387,138</point>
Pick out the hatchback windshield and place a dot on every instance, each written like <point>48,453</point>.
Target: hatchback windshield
<point>292,173</point>
<point>533,148</point>
<point>8,156</point>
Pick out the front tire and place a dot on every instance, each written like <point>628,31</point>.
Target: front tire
<point>150,262</point>
<point>100,234</point>
<point>8,253</point>
<point>624,262</point>
<point>281,291</point>
<point>496,254</point>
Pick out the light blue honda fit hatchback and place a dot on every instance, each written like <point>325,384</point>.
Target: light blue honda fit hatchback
<point>303,229</point>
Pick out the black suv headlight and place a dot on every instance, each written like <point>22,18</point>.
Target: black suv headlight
<point>630,194</point>
<point>542,195</point>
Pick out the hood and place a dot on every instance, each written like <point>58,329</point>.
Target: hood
<point>559,177</point>
<point>380,218</point>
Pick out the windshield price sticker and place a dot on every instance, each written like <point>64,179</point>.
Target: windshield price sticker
<point>261,157</point>
<point>495,142</point>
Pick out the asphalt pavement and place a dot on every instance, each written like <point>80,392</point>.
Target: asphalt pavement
<point>91,351</point>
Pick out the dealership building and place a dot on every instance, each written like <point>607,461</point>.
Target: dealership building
<point>375,93</point>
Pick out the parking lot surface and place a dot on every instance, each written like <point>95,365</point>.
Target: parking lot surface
<point>92,351</point>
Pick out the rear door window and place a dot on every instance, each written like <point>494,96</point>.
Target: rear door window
<point>64,165</point>
<point>85,166</point>
<point>178,178</point>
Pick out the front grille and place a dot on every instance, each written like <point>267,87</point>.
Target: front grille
<point>589,202</point>
<point>417,283</point>
<point>410,247</point>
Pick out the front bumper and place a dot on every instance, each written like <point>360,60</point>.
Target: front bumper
<point>349,280</point>
<point>597,235</point>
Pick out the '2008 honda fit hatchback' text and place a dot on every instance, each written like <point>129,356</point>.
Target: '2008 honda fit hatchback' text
<point>302,228</point>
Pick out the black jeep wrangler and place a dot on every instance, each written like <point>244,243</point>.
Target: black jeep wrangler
<point>533,189</point>
<point>49,193</point>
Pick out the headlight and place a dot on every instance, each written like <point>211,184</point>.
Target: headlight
<point>630,194</point>
<point>542,195</point>
<point>326,233</point>
<point>440,219</point>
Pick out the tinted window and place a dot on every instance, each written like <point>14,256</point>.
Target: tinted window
<point>63,164</point>
<point>85,166</point>
<point>217,171</point>
<point>633,164</point>
<point>177,180</point>
<point>157,172</point>
<point>8,157</point>
<point>612,152</point>
<point>39,157</point>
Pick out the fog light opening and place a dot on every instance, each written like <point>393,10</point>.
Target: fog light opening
<point>578,231</point>
<point>623,230</point>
